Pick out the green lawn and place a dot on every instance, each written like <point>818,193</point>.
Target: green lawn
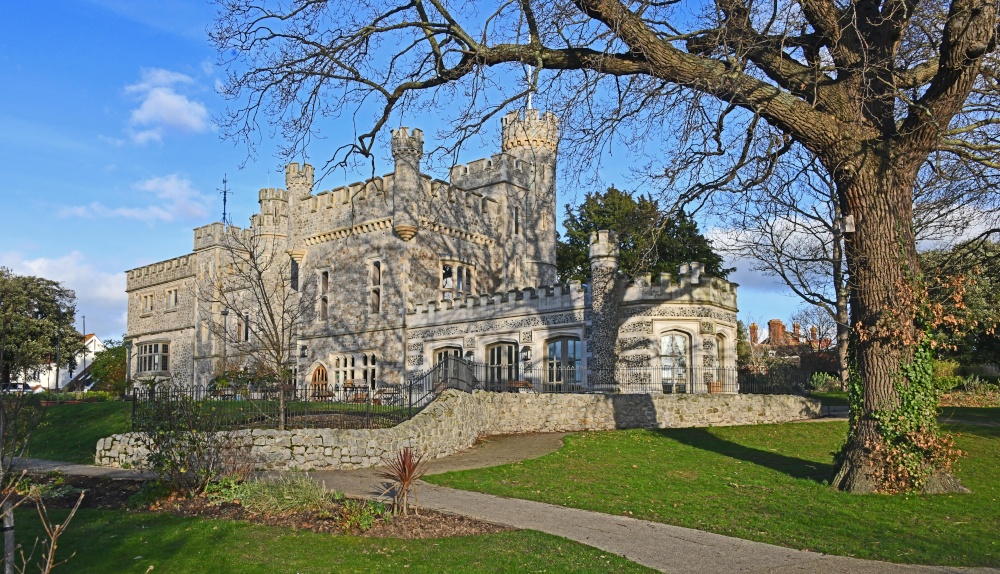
<point>69,433</point>
<point>831,398</point>
<point>972,414</point>
<point>765,483</point>
<point>111,541</point>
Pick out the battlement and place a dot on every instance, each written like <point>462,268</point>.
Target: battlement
<point>211,235</point>
<point>692,287</point>
<point>499,168</point>
<point>531,129</point>
<point>528,300</point>
<point>603,245</point>
<point>495,164</point>
<point>272,194</point>
<point>299,179</point>
<point>345,194</point>
<point>405,142</point>
<point>157,273</point>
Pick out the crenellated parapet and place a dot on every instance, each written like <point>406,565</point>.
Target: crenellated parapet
<point>408,144</point>
<point>346,195</point>
<point>158,273</point>
<point>603,245</point>
<point>499,168</point>
<point>692,286</point>
<point>299,180</point>
<point>269,194</point>
<point>214,235</point>
<point>531,129</point>
<point>514,302</point>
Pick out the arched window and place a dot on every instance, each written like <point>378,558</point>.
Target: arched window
<point>320,375</point>
<point>564,363</point>
<point>325,282</point>
<point>503,365</point>
<point>319,386</point>
<point>324,308</point>
<point>675,361</point>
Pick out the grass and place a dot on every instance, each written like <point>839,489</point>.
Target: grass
<point>972,414</point>
<point>69,433</point>
<point>113,541</point>
<point>764,483</point>
<point>831,398</point>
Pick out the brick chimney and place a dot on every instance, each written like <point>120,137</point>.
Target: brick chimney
<point>797,332</point>
<point>813,333</point>
<point>776,332</point>
<point>753,334</point>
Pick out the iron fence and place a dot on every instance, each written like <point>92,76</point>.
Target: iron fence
<point>296,406</point>
<point>356,406</point>
<point>458,373</point>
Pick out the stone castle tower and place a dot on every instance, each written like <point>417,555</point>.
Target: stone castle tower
<point>533,138</point>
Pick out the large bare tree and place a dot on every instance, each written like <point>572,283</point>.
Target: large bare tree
<point>871,88</point>
<point>254,312</point>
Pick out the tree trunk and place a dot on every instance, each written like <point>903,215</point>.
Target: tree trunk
<point>9,547</point>
<point>883,302</point>
<point>841,295</point>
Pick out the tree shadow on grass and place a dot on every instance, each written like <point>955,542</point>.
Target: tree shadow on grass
<point>795,467</point>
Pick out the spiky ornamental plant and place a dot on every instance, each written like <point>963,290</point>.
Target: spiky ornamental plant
<point>403,471</point>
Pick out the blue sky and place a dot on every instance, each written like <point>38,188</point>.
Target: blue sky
<point>110,156</point>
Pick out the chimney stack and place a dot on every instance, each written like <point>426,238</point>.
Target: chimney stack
<point>776,332</point>
<point>753,333</point>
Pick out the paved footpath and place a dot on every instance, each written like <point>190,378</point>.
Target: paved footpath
<point>663,547</point>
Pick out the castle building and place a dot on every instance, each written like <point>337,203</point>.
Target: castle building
<point>398,272</point>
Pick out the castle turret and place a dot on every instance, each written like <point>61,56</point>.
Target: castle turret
<point>299,182</point>
<point>603,255</point>
<point>534,139</point>
<point>407,150</point>
<point>273,216</point>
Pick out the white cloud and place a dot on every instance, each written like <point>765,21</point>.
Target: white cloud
<point>163,109</point>
<point>100,294</point>
<point>175,198</point>
<point>746,273</point>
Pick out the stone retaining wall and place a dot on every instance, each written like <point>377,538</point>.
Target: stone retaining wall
<point>456,419</point>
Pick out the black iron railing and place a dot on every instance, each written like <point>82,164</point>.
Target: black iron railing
<point>458,373</point>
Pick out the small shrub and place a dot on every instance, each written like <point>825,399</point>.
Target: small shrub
<point>288,493</point>
<point>188,450</point>
<point>402,472</point>
<point>944,368</point>
<point>948,383</point>
<point>824,382</point>
<point>361,514</point>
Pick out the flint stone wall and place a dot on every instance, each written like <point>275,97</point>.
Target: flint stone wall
<point>456,419</point>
